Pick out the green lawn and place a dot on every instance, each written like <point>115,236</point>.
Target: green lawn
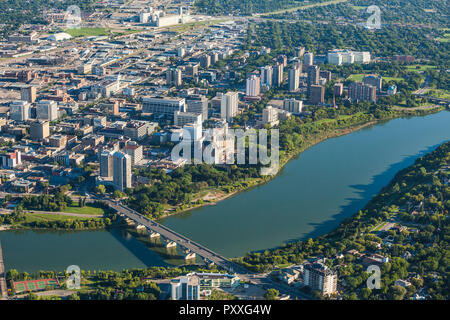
<point>439,93</point>
<point>330,120</point>
<point>87,32</point>
<point>356,77</point>
<point>85,210</point>
<point>180,28</point>
<point>378,227</point>
<point>360,76</point>
<point>302,7</point>
<point>419,67</point>
<point>39,217</point>
<point>387,79</point>
<point>446,38</point>
<point>90,32</point>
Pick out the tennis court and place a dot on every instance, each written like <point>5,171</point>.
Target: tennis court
<point>33,285</point>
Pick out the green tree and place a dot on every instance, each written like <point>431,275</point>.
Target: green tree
<point>100,189</point>
<point>271,294</point>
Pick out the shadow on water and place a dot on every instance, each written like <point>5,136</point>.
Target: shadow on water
<point>138,249</point>
<point>151,253</point>
<point>365,192</point>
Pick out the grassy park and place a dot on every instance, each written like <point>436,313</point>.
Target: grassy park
<point>95,32</point>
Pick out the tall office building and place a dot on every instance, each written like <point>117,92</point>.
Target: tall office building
<point>135,152</point>
<point>47,110</point>
<point>266,76</point>
<point>19,110</point>
<point>278,74</point>
<point>313,75</point>
<point>293,106</point>
<point>270,115</point>
<point>253,88</point>
<point>214,56</point>
<point>362,92</point>
<point>308,59</point>
<point>198,104</point>
<point>374,80</point>
<point>205,61</point>
<point>319,277</point>
<point>294,77</point>
<point>174,77</point>
<point>229,106</point>
<point>316,94</point>
<point>28,94</point>
<point>191,70</point>
<point>39,130</point>
<point>185,288</point>
<point>106,163</point>
<point>163,106</point>
<point>182,118</point>
<point>338,89</point>
<point>121,170</point>
<point>325,74</point>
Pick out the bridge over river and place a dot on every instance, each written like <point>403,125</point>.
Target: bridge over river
<point>184,242</point>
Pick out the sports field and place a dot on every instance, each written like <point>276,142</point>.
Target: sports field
<point>33,285</point>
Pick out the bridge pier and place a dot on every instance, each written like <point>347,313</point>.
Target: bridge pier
<point>171,244</point>
<point>190,255</point>
<point>154,235</point>
<point>140,227</point>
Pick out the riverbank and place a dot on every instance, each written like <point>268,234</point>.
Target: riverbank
<point>218,194</point>
<point>405,213</point>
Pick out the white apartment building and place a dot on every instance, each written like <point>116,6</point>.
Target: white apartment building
<point>229,106</point>
<point>19,110</point>
<point>135,151</point>
<point>294,78</point>
<point>106,163</point>
<point>319,277</point>
<point>308,59</point>
<point>163,106</point>
<point>340,56</point>
<point>293,106</point>
<point>253,87</point>
<point>266,76</point>
<point>47,110</point>
<point>121,170</point>
<point>270,116</point>
<point>182,118</point>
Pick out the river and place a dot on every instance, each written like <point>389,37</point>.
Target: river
<point>311,195</point>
